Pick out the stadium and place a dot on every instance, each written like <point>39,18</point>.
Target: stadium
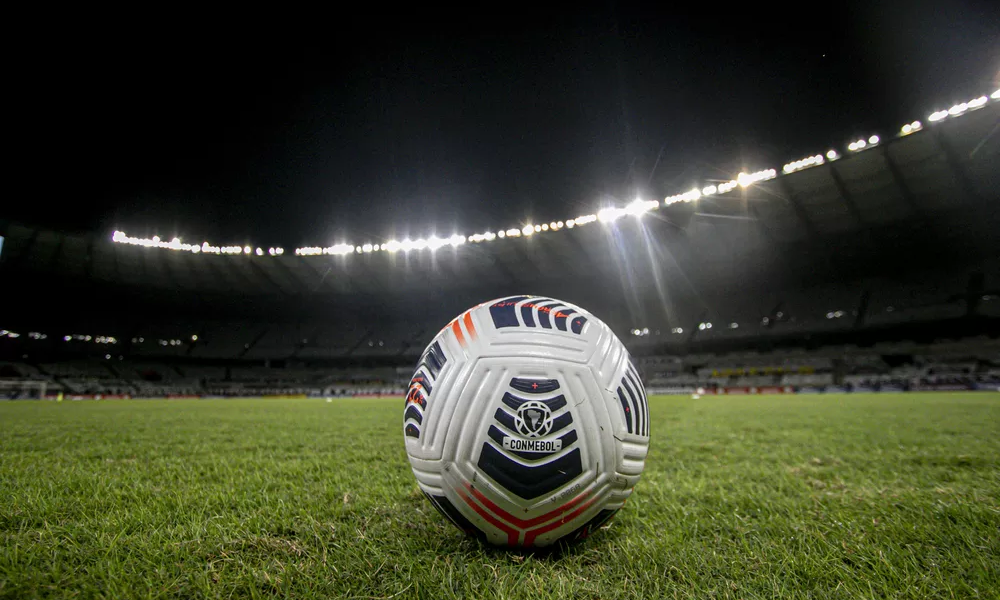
<point>819,340</point>
<point>251,321</point>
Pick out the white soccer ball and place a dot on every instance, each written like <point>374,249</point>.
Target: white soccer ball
<point>526,422</point>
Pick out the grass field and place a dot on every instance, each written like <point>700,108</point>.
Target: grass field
<point>892,496</point>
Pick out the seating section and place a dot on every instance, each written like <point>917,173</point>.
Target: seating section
<point>965,364</point>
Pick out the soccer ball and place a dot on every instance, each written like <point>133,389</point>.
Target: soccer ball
<point>526,422</point>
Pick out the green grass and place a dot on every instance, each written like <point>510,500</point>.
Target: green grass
<point>754,497</point>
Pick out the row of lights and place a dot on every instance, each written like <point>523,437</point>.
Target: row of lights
<point>734,325</point>
<point>962,107</point>
<point>97,339</point>
<point>905,130</point>
<point>606,215</point>
<point>120,237</point>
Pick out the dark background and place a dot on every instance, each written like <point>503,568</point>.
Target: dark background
<point>309,128</point>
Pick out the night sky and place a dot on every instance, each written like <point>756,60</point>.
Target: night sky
<point>306,130</point>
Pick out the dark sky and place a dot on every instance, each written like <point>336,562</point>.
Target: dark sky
<point>306,128</point>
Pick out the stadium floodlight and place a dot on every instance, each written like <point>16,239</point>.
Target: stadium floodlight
<point>803,163</point>
<point>513,232</point>
<point>559,224</point>
<point>995,95</point>
<point>688,196</point>
<point>709,190</point>
<point>459,239</point>
<point>958,109</point>
<point>978,102</point>
<point>639,207</point>
<point>538,228</point>
<point>747,179</point>
<point>832,155</point>
<point>610,215</point>
<point>247,250</point>
<point>937,115</point>
<point>873,140</point>
<point>67,338</point>
<point>501,234</point>
<point>528,230</point>
<point>544,227</point>
<point>366,248</point>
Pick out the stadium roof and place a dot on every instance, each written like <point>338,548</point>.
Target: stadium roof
<point>926,197</point>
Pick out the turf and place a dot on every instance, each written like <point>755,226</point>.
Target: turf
<point>891,496</point>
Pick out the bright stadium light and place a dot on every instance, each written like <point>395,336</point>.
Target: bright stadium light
<point>873,140</point>
<point>501,234</point>
<point>958,109</point>
<point>610,215</point>
<point>247,250</point>
<point>638,207</point>
<point>978,102</point>
<point>538,228</point>
<point>709,190</point>
<point>832,155</point>
<point>937,116</point>
<point>745,179</point>
<point>528,230</point>
<point>688,196</point>
<point>366,248</point>
<point>995,95</point>
<point>544,227</point>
